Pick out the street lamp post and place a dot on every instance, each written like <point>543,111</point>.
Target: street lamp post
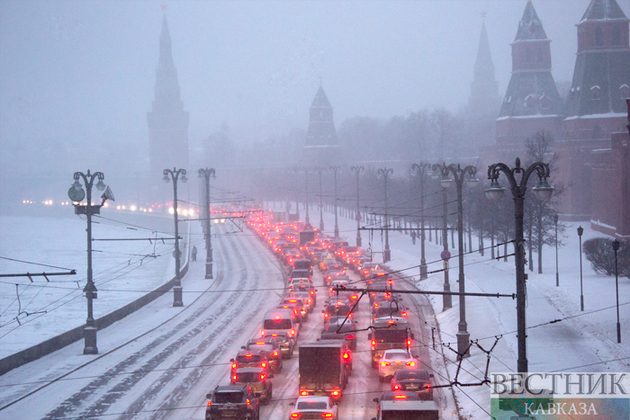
<point>459,176</point>
<point>543,192</point>
<point>336,169</point>
<point>580,231</point>
<point>174,175</point>
<point>307,219</point>
<point>555,222</point>
<point>615,246</point>
<point>384,173</point>
<point>420,169</point>
<point>357,170</point>
<point>321,205</point>
<point>447,299</point>
<point>76,194</point>
<point>206,174</point>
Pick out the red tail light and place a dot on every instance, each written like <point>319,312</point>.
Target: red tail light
<point>346,355</point>
<point>234,378</point>
<point>264,364</point>
<point>249,402</point>
<point>396,387</point>
<point>385,363</point>
<point>409,343</point>
<point>303,393</point>
<point>336,393</point>
<point>296,415</point>
<point>234,365</point>
<point>427,386</point>
<point>327,415</point>
<point>373,342</point>
<point>292,333</point>
<point>349,336</point>
<point>262,333</point>
<point>410,363</point>
<point>275,353</point>
<point>262,376</point>
<point>404,314</point>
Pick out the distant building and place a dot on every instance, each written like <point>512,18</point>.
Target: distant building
<point>484,101</point>
<point>532,101</point>
<point>594,156</point>
<point>167,120</point>
<point>589,128</point>
<point>321,146</point>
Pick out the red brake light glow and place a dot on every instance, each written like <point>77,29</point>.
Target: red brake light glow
<point>296,415</point>
<point>335,393</point>
<point>385,363</point>
<point>400,397</point>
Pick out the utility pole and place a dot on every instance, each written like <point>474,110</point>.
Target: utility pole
<point>336,169</point>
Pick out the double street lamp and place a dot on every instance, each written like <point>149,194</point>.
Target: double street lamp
<point>450,173</point>
<point>174,175</point>
<point>447,300</point>
<point>420,170</point>
<point>77,194</point>
<point>206,174</point>
<point>357,170</point>
<point>519,187</point>
<point>385,173</point>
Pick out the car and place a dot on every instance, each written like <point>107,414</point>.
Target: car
<point>284,341</point>
<point>258,379</point>
<point>305,296</point>
<point>340,329</point>
<point>271,348</point>
<point>393,360</point>
<point>395,397</point>
<point>304,287</point>
<point>416,380</point>
<point>297,303</point>
<point>314,406</point>
<point>336,308</point>
<point>249,358</point>
<point>233,401</point>
<point>366,269</point>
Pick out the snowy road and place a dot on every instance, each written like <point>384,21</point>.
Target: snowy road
<point>160,362</point>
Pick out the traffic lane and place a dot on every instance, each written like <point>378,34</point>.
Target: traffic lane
<point>117,383</point>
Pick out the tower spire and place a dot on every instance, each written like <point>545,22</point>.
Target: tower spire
<point>484,95</point>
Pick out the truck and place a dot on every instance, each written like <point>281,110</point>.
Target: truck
<point>406,409</point>
<point>306,236</point>
<point>389,333</point>
<point>321,369</point>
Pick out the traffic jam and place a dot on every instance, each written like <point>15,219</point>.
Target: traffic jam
<point>325,365</point>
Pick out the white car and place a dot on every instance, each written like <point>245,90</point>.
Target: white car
<point>393,360</point>
<point>320,406</point>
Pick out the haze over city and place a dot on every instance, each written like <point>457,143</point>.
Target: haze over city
<point>78,77</point>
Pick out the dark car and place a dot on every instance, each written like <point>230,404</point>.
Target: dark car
<point>233,402</point>
<point>347,331</point>
<point>336,308</point>
<point>416,380</point>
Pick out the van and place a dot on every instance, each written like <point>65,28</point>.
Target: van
<point>303,264</point>
<point>280,320</point>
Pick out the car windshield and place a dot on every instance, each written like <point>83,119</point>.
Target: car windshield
<point>311,405</point>
<point>254,358</point>
<point>277,324</point>
<point>410,374</point>
<point>247,377</point>
<point>400,415</point>
<point>396,356</point>
<point>227,397</point>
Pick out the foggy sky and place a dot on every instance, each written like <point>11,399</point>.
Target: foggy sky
<point>82,73</point>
